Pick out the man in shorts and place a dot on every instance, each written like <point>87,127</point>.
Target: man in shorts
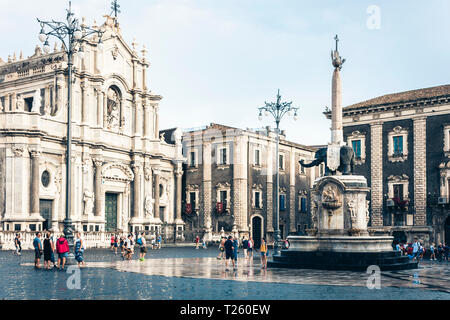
<point>229,252</point>
<point>143,247</point>
<point>37,244</point>
<point>129,247</point>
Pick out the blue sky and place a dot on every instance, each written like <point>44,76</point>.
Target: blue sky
<point>219,60</point>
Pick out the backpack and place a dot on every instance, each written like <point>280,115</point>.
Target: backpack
<point>139,241</point>
<point>62,246</point>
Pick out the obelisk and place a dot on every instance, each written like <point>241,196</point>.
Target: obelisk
<point>337,140</point>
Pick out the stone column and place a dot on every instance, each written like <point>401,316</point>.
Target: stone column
<point>146,119</point>
<point>156,123</point>
<point>7,103</point>
<point>179,175</point>
<point>420,171</point>
<point>292,166</point>
<point>240,191</point>
<point>336,115</point>
<point>98,187</point>
<point>156,174</point>
<point>35,155</point>
<point>206,185</point>
<point>99,107</point>
<point>105,109</point>
<point>376,173</point>
<point>84,103</point>
<point>137,189</point>
<point>269,183</point>
<point>138,116</point>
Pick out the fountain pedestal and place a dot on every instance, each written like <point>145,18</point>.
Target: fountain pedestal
<point>339,239</point>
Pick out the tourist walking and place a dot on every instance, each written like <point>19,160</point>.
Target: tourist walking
<point>235,252</point>
<point>245,247</point>
<point>197,242</point>
<point>250,246</point>
<point>415,252</point>
<point>263,250</point>
<point>112,242</point>
<point>37,244</point>
<point>143,247</point>
<point>204,243</point>
<point>229,252</point>
<point>48,250</point>
<point>116,243</point>
<point>129,247</point>
<point>62,249</point>
<point>221,248</point>
<point>432,252</point>
<point>159,241</point>
<point>18,245</point>
<point>79,250</point>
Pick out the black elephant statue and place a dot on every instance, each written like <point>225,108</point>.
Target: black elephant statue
<point>346,165</point>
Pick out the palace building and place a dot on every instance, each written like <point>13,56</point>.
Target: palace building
<point>229,183</point>
<point>126,172</point>
<point>402,146</point>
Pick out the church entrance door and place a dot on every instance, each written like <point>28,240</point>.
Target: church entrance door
<point>111,211</point>
<point>45,208</point>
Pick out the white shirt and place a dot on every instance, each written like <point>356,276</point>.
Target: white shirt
<point>415,247</point>
<point>128,244</point>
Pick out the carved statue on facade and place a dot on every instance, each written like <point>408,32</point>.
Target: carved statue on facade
<point>148,206</point>
<point>20,103</point>
<point>88,198</point>
<point>351,208</point>
<point>113,107</point>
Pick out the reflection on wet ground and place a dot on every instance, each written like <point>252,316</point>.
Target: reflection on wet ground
<point>430,276</point>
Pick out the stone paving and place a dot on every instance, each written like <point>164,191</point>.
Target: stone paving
<point>187,273</point>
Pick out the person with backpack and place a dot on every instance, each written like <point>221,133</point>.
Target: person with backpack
<point>159,241</point>
<point>37,244</point>
<point>79,250</point>
<point>143,248</point>
<point>62,248</point>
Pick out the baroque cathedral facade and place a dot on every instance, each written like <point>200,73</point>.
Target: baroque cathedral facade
<point>126,172</point>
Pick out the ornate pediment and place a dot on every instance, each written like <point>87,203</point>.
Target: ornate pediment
<point>224,185</point>
<point>117,171</point>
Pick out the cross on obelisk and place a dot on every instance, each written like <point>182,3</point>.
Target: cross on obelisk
<point>115,8</point>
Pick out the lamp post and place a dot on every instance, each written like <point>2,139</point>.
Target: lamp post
<point>278,110</point>
<point>72,35</point>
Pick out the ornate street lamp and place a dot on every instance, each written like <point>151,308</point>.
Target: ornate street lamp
<point>72,35</point>
<point>278,110</point>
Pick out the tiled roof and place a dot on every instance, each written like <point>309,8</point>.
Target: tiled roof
<point>402,97</point>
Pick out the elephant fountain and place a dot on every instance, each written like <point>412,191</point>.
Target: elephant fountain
<point>347,161</point>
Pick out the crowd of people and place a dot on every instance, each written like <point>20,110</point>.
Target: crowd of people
<point>416,251</point>
<point>229,249</point>
<point>47,245</point>
<point>127,244</point>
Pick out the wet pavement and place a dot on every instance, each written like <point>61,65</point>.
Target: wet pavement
<point>187,273</point>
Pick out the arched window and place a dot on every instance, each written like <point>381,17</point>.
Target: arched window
<point>114,108</point>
